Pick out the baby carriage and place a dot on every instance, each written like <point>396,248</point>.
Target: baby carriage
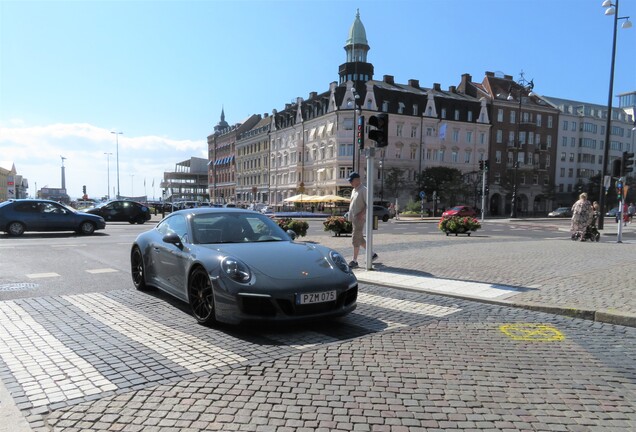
<point>591,232</point>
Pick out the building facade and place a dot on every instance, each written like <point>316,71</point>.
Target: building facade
<point>581,144</point>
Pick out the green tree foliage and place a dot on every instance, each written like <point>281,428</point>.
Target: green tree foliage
<point>449,183</point>
<point>394,182</point>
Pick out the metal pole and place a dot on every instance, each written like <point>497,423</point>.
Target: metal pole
<point>515,162</point>
<point>483,195</point>
<point>369,225</point>
<point>117,145</point>
<point>108,174</point>
<point>608,124</point>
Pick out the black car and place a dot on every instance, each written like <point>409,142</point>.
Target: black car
<point>20,215</point>
<point>122,211</point>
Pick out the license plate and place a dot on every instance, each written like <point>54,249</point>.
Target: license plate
<point>317,297</point>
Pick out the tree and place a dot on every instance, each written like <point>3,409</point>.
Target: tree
<point>394,181</point>
<point>449,184</point>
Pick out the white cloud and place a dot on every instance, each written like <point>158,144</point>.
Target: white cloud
<point>36,152</point>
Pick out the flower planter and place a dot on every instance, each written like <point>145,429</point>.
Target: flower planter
<point>338,225</point>
<point>458,225</point>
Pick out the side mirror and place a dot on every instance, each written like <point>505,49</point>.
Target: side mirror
<point>173,238</point>
<point>292,234</point>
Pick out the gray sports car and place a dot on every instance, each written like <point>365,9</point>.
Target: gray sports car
<point>234,265</point>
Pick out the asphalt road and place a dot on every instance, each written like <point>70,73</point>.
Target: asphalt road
<point>82,350</point>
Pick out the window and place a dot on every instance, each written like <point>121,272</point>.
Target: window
<point>467,154</point>
<point>548,141</point>
<point>469,137</point>
<point>562,172</point>
<point>539,120</point>
<point>562,156</point>
<point>550,122</point>
<point>564,142</point>
<point>470,116</point>
<point>482,138</point>
<point>413,152</point>
<point>443,113</point>
<point>415,109</point>
<point>413,131</point>
<point>454,156</point>
<point>571,157</point>
<point>500,115</point>
<point>498,156</point>
<point>497,178</point>
<point>456,114</point>
<point>429,131</point>
<point>535,179</point>
<point>455,135</point>
<point>399,130</point>
<point>570,172</point>
<point>499,138</point>
<point>513,117</point>
<point>440,155</point>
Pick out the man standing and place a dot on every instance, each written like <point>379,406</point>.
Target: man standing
<point>357,216</point>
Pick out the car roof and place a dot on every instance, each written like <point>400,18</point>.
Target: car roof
<point>205,210</point>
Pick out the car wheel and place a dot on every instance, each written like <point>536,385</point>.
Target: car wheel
<point>87,228</point>
<point>137,270</point>
<point>200,296</point>
<point>141,220</point>
<point>15,229</point>
<point>385,218</point>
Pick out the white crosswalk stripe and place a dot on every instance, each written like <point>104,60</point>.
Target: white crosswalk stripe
<point>186,350</point>
<point>53,372</point>
<point>406,305</point>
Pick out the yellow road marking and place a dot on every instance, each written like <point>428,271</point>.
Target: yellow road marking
<point>532,332</point>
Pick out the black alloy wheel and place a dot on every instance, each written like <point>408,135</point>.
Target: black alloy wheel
<point>137,270</point>
<point>201,296</point>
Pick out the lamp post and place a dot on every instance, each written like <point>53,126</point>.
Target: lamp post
<point>117,144</point>
<point>612,9</point>
<point>524,87</point>
<point>108,174</point>
<point>382,178</point>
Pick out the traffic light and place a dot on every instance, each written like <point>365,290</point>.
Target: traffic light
<point>616,167</point>
<point>84,189</point>
<point>381,131</point>
<point>481,165</point>
<point>361,132</point>
<point>486,164</point>
<point>627,162</point>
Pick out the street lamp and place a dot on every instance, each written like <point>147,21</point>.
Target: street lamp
<point>108,174</point>
<point>117,144</point>
<point>524,87</point>
<point>612,9</point>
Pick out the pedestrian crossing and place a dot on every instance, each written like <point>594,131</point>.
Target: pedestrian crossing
<point>71,348</point>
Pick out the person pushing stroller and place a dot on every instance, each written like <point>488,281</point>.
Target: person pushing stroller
<point>582,217</point>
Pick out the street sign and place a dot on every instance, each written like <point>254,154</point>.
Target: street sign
<point>422,194</point>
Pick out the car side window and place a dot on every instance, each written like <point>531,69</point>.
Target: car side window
<point>28,207</point>
<point>175,224</point>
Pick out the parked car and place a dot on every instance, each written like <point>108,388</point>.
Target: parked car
<point>381,212</point>
<point>122,211</point>
<point>561,212</point>
<point>20,215</point>
<point>234,265</point>
<point>461,210</point>
<point>613,213</point>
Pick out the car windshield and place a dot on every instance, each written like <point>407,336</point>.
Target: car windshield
<point>235,227</point>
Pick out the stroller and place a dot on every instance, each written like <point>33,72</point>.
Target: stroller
<point>591,231</point>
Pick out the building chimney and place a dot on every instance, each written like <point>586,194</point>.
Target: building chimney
<point>437,87</point>
<point>388,79</point>
<point>313,95</point>
<point>414,83</point>
<point>452,89</point>
<point>490,74</point>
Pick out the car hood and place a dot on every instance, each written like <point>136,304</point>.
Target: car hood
<point>281,259</point>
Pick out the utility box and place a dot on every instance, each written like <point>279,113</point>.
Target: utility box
<point>375,222</point>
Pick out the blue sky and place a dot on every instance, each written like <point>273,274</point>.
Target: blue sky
<point>161,71</point>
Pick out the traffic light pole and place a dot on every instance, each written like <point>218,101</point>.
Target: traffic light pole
<point>483,195</point>
<point>370,153</point>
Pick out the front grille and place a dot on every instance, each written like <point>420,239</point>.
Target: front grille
<point>259,306</point>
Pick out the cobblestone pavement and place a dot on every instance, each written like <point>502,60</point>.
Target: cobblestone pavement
<point>403,361</point>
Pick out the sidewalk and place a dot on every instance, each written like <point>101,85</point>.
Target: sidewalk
<point>593,281</point>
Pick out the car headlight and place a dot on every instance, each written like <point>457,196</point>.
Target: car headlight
<point>339,261</point>
<point>236,269</point>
